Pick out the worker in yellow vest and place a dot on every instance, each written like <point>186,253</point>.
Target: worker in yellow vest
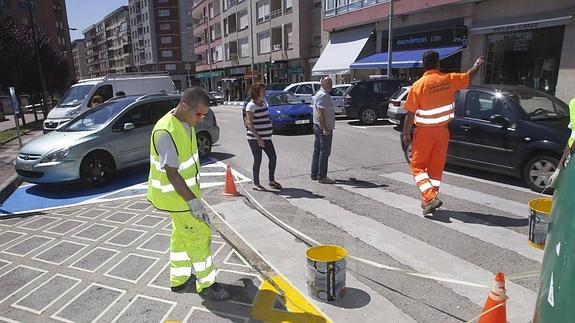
<point>174,187</point>
<point>569,149</point>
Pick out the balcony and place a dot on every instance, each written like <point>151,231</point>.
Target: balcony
<point>331,12</point>
<point>276,47</point>
<point>276,13</point>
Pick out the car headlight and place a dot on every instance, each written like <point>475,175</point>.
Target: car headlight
<point>57,155</point>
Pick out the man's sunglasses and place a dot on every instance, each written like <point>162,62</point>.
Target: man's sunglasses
<point>196,112</point>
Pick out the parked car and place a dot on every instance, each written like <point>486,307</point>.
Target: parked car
<point>213,100</point>
<point>276,86</point>
<point>112,136</point>
<point>286,111</point>
<point>337,95</point>
<point>396,110</point>
<point>304,90</point>
<point>218,97</point>
<point>367,100</point>
<point>512,130</point>
<point>79,96</point>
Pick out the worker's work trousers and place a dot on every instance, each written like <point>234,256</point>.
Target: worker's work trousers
<point>429,152</point>
<point>190,246</point>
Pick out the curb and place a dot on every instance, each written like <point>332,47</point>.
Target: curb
<point>9,186</point>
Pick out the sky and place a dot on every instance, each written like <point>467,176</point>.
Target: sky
<point>83,13</point>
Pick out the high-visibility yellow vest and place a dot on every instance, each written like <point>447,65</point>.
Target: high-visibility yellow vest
<point>161,192</point>
<point>572,123</point>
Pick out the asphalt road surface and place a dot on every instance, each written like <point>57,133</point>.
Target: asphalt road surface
<point>373,211</point>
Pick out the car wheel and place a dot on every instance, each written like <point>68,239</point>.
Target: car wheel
<point>537,171</point>
<point>368,116</point>
<point>97,169</point>
<point>204,144</point>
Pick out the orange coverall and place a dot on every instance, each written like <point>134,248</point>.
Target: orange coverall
<point>432,100</point>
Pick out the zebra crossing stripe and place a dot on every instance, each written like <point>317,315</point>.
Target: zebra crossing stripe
<point>419,255</point>
<point>463,223</point>
<point>501,204</point>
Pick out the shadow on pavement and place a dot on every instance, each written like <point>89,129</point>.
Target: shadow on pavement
<point>354,298</point>
<point>218,156</point>
<point>478,218</point>
<point>294,132</point>
<point>380,122</point>
<point>356,183</point>
<point>298,193</point>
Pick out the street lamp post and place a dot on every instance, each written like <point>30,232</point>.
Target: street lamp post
<point>390,39</point>
<point>210,80</point>
<point>38,61</point>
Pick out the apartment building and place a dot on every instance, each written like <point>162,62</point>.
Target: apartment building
<point>163,39</point>
<point>109,44</point>
<point>272,41</point>
<point>529,45</point>
<point>208,49</point>
<point>79,58</point>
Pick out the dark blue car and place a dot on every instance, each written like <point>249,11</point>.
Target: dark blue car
<point>287,111</point>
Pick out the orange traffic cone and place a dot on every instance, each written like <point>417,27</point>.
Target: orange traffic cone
<point>494,309</point>
<point>230,187</point>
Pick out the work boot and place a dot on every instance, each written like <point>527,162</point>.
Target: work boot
<point>432,206</point>
<point>189,282</point>
<point>215,292</point>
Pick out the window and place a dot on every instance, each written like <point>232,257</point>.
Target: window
<point>304,89</point>
<point>21,3</point>
<point>166,40</point>
<point>243,19</point>
<point>288,30</point>
<point>384,87</point>
<point>170,67</point>
<point>264,42</point>
<point>480,105</point>
<point>211,10</point>
<point>317,3</point>
<point>263,10</point>
<point>244,48</point>
<point>217,53</point>
<point>139,116</point>
<point>164,12</point>
<point>288,5</point>
<point>167,53</point>
<point>316,36</point>
<point>165,26</point>
<point>105,91</point>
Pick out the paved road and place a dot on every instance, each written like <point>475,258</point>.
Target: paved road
<point>374,212</point>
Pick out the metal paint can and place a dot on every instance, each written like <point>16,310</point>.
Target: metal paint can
<point>326,272</point>
<point>539,218</point>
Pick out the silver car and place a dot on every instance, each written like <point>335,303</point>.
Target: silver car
<point>112,136</point>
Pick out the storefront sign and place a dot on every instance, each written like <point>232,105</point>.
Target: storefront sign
<point>525,25</point>
<point>432,39</point>
<point>295,70</point>
<point>205,75</point>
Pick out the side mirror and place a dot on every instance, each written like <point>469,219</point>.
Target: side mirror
<point>129,126</point>
<point>499,120</point>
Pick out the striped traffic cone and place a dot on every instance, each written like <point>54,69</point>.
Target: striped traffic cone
<point>494,310</point>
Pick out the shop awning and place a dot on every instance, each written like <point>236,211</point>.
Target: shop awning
<point>403,59</point>
<point>341,50</point>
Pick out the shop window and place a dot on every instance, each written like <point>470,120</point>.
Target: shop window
<point>528,57</point>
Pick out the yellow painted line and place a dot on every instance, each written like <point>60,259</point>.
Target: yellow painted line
<point>299,309</point>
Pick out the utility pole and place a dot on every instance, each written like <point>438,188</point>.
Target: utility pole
<point>38,61</point>
<point>210,80</point>
<point>390,39</point>
<point>251,41</point>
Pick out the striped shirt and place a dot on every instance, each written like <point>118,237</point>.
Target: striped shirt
<point>262,121</point>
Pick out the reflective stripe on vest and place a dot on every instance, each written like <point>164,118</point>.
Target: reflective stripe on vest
<point>435,117</point>
<point>161,192</point>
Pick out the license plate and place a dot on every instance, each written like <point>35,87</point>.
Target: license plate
<point>25,167</point>
<point>301,121</point>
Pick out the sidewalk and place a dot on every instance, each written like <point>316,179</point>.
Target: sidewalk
<point>237,103</point>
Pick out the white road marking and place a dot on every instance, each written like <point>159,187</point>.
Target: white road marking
<point>498,203</point>
<point>419,255</point>
<point>481,180</point>
<point>150,298</point>
<point>54,300</point>
<point>464,223</point>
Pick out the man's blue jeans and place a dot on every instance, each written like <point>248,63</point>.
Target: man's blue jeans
<point>321,152</point>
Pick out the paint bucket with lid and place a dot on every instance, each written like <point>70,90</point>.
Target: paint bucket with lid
<point>539,218</point>
<point>326,272</point>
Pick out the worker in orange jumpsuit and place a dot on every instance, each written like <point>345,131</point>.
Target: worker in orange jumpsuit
<point>430,106</point>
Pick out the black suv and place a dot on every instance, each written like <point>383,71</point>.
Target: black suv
<point>368,100</point>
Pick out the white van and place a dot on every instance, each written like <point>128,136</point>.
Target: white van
<point>79,96</point>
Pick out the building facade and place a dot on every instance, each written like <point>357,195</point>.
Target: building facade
<point>109,44</point>
<point>271,41</point>
<point>526,45</point>
<point>79,58</point>
<point>208,47</point>
<point>163,38</point>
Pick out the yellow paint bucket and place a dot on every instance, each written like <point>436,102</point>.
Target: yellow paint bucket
<point>326,272</point>
<point>539,219</point>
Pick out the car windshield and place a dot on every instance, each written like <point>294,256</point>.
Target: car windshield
<point>538,105</point>
<point>283,99</point>
<point>338,91</point>
<point>95,118</point>
<point>75,95</point>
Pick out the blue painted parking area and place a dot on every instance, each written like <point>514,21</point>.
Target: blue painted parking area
<point>130,183</point>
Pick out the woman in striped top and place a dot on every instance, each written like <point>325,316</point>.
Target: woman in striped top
<point>259,132</point>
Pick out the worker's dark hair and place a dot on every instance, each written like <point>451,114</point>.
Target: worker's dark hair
<point>255,90</point>
<point>430,60</point>
<point>195,96</point>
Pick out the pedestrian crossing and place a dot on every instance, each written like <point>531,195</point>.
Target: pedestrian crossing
<point>332,207</point>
